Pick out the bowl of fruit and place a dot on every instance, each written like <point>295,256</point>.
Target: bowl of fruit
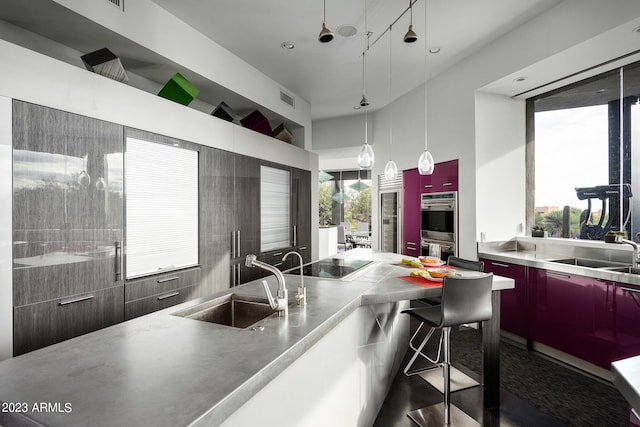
<point>430,260</point>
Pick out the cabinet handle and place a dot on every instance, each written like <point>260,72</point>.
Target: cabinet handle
<point>302,248</point>
<point>168,279</point>
<point>75,300</point>
<point>277,254</point>
<point>558,275</point>
<point>447,184</point>
<point>295,235</point>
<point>428,186</point>
<point>637,291</point>
<point>411,249</point>
<point>169,295</point>
<point>118,260</point>
<point>499,264</point>
<point>239,253</point>
<point>411,243</point>
<point>233,244</point>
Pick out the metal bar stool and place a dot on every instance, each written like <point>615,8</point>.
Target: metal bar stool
<point>464,300</point>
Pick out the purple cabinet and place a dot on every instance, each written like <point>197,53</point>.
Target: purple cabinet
<point>627,321</point>
<point>573,314</point>
<point>444,178</point>
<point>411,215</point>
<point>513,302</point>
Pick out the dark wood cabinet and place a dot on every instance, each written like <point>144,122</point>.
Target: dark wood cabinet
<point>67,224</point>
<point>49,322</point>
<point>301,206</point>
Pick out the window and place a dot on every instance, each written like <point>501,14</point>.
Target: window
<point>161,190</point>
<point>579,135</point>
<point>345,196</point>
<point>275,211</point>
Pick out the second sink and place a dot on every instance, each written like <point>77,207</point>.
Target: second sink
<point>592,263</point>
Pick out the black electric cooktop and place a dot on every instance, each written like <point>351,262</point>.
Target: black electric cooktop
<point>331,268</point>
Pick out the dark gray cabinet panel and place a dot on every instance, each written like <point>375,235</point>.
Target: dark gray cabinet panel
<point>46,323</point>
<point>157,302</point>
<point>247,203</point>
<point>67,225</point>
<point>162,283</point>
<point>301,206</point>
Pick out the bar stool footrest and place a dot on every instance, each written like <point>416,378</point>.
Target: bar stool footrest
<point>459,380</point>
<point>433,415</point>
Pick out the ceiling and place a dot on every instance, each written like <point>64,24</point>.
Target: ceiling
<point>328,76</point>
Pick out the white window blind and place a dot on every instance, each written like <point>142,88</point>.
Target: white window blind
<point>275,197</point>
<point>161,190</point>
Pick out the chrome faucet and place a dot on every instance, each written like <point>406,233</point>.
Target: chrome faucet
<point>636,249</point>
<point>301,296</point>
<point>280,302</point>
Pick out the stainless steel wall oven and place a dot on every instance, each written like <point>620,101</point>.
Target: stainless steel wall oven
<point>439,223</point>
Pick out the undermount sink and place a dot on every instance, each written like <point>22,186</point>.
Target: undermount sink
<point>592,263</point>
<point>627,269</point>
<point>238,311</point>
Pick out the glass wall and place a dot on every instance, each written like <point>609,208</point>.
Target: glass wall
<point>582,183</point>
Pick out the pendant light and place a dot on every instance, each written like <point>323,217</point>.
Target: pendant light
<point>326,35</point>
<point>390,169</point>
<point>425,162</point>
<point>365,155</point>
<point>411,36</point>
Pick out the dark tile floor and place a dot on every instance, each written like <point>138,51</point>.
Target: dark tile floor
<point>535,391</point>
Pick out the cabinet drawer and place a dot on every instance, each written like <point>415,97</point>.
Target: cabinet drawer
<point>275,258</point>
<point>44,283</point>
<point>142,288</point>
<point>157,302</point>
<point>46,323</point>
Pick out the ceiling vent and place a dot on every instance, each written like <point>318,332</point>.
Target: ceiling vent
<point>117,3</point>
<point>287,99</point>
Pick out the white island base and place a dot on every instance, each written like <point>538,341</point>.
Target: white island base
<point>342,380</point>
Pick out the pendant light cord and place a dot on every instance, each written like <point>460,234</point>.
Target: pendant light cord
<point>390,88</point>
<point>426,77</point>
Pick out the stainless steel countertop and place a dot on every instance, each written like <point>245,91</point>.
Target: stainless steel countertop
<point>526,255</point>
<point>164,370</point>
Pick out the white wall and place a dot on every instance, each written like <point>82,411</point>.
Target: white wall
<point>6,230</point>
<point>500,154</point>
<point>570,37</point>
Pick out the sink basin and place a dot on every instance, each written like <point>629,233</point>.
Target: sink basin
<point>592,263</point>
<point>627,269</point>
<point>230,310</point>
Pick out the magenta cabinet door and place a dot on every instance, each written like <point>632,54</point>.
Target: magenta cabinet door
<point>627,321</point>
<point>513,302</point>
<point>444,178</point>
<point>569,313</point>
<point>411,215</point>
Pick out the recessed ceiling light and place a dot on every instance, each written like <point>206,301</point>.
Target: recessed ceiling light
<point>519,79</point>
<point>636,30</point>
<point>434,49</point>
<point>287,45</point>
<point>347,30</point>
<point>356,107</point>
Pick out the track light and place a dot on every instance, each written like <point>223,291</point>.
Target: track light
<point>411,36</point>
<point>326,35</point>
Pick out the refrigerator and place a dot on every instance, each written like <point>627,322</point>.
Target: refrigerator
<point>390,193</point>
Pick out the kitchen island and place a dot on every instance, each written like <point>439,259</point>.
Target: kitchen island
<point>166,370</point>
